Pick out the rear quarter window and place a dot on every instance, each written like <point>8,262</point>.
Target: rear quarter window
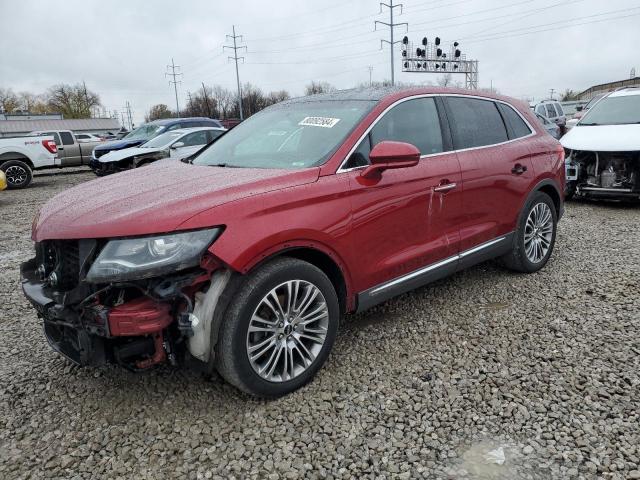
<point>475,122</point>
<point>515,124</point>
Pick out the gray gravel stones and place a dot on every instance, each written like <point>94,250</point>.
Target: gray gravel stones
<point>545,366</point>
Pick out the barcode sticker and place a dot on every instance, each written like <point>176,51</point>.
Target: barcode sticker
<point>324,122</point>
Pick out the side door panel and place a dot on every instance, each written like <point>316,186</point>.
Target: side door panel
<point>70,150</point>
<point>400,223</point>
<point>495,176</point>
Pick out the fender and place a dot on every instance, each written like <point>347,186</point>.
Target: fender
<point>540,185</point>
<point>281,247</point>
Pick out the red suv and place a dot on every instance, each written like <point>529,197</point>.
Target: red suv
<point>244,258</point>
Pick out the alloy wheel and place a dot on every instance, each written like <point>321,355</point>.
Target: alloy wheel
<point>16,175</point>
<point>538,232</point>
<point>287,330</point>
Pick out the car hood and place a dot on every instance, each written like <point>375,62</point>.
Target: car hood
<point>155,199</point>
<point>116,155</point>
<point>120,144</point>
<point>603,138</point>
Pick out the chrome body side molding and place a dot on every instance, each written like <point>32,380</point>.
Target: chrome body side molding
<point>435,271</point>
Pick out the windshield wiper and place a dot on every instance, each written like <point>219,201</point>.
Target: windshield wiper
<point>589,124</point>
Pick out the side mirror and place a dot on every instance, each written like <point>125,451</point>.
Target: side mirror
<point>387,155</point>
<point>177,145</point>
<point>579,108</point>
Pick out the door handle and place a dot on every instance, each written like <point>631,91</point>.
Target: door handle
<point>518,169</point>
<point>445,187</point>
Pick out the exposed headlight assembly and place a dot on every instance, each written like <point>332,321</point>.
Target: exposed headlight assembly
<point>145,257</point>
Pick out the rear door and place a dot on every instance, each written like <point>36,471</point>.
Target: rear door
<point>407,219</point>
<point>69,151</point>
<point>496,169</point>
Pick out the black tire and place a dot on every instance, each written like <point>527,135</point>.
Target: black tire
<point>517,259</point>
<point>18,173</point>
<point>232,358</point>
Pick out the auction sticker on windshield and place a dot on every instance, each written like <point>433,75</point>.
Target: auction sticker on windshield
<point>324,122</point>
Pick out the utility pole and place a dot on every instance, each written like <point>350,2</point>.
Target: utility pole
<point>206,100</point>
<point>175,82</point>
<point>370,73</point>
<point>391,26</point>
<point>122,119</point>
<point>551,91</point>
<point>235,57</point>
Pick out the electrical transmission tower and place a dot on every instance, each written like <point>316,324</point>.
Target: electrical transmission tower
<point>391,26</point>
<point>128,118</point>
<point>175,82</point>
<point>430,57</point>
<point>235,57</point>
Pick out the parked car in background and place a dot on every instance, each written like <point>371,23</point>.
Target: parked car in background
<point>21,155</point>
<point>581,111</point>
<point>176,144</point>
<point>553,111</point>
<point>151,130</point>
<point>570,108</point>
<point>229,123</point>
<point>87,138</point>
<point>71,151</point>
<point>552,128</point>
<point>603,149</point>
<point>3,180</point>
<point>244,258</point>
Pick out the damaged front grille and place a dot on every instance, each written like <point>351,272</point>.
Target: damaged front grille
<point>59,263</point>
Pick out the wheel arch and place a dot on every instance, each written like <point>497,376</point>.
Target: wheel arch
<point>7,156</point>
<point>550,187</point>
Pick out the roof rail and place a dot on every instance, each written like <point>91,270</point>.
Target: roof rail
<point>624,88</point>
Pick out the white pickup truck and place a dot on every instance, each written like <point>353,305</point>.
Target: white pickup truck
<point>21,155</point>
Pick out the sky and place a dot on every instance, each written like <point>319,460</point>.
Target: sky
<point>121,48</point>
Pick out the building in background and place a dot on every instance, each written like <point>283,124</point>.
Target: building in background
<point>591,92</point>
<point>19,125</point>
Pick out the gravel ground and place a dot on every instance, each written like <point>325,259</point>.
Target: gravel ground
<point>543,368</point>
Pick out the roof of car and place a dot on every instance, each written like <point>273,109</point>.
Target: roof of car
<point>625,92</point>
<point>195,129</point>
<point>379,93</point>
<point>167,121</point>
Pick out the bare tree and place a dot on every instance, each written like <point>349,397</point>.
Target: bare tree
<point>445,80</point>
<point>319,87</point>
<point>569,95</point>
<point>158,111</point>
<point>73,101</point>
<point>9,102</point>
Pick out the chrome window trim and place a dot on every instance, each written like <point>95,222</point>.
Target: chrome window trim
<point>433,95</point>
<point>441,263</point>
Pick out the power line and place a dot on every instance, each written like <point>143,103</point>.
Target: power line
<point>391,26</point>
<point>235,57</point>
<point>175,82</point>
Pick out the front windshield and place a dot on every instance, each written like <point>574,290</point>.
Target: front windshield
<point>619,110</point>
<point>163,140</point>
<point>145,132</point>
<point>290,136</point>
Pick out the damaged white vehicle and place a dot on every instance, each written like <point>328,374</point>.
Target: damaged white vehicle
<point>603,150</point>
<point>176,144</point>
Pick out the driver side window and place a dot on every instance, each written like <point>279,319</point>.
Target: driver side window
<point>413,121</point>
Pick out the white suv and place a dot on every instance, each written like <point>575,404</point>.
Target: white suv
<point>553,111</point>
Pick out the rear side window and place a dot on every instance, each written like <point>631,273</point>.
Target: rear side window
<point>67,138</point>
<point>559,110</point>
<point>475,122</point>
<point>551,112</point>
<point>414,121</point>
<point>516,126</point>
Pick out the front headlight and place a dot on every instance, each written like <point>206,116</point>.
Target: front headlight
<point>145,257</point>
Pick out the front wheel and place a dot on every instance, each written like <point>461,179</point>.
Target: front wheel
<point>279,328</point>
<point>17,172</point>
<point>535,236</point>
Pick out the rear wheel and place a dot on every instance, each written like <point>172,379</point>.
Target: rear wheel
<point>535,236</point>
<point>18,173</point>
<point>279,328</point>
